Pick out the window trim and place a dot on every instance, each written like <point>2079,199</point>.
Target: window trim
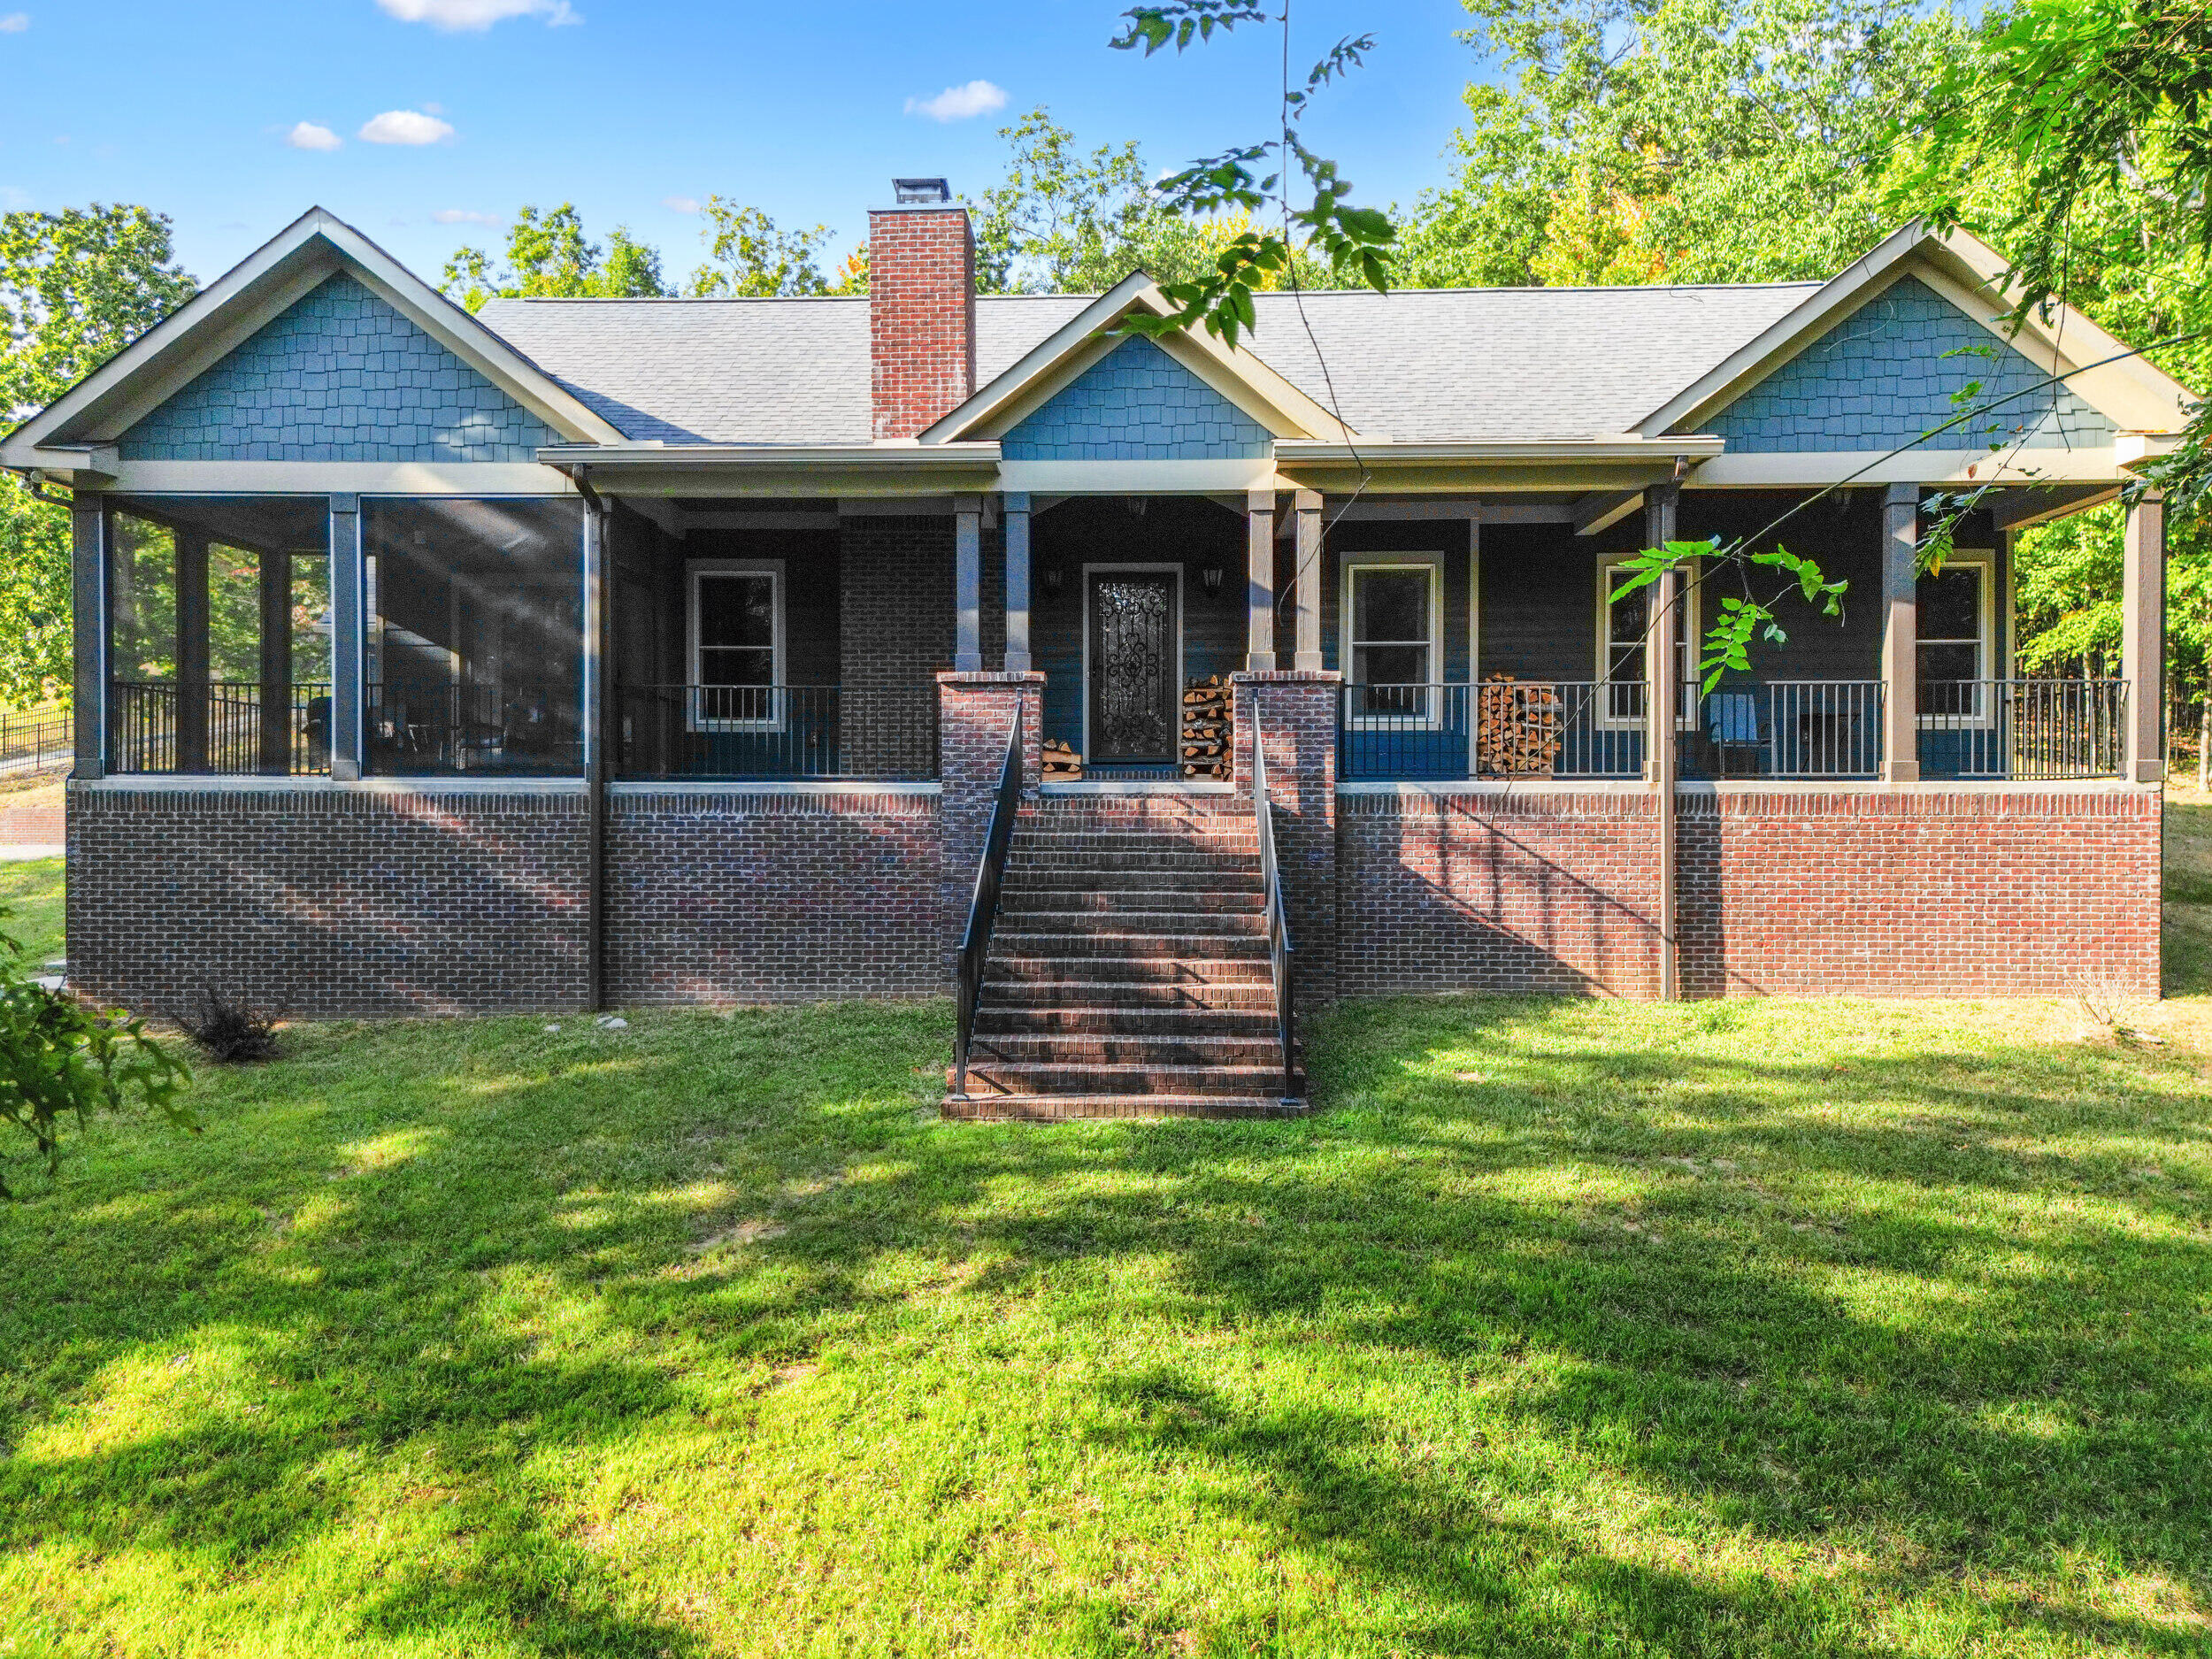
<point>694,570</point>
<point>1983,560</point>
<point>1686,717</point>
<point>1430,563</point>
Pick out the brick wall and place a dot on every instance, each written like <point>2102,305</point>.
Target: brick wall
<point>894,598</point>
<point>341,376</point>
<point>1885,374</point>
<point>332,902</point>
<point>978,714</point>
<point>1136,404</point>
<point>921,315</point>
<point>1297,713</point>
<point>1907,892</point>
<point>756,897</point>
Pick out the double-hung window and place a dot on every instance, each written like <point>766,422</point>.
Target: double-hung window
<point>1622,626</point>
<point>1957,635</point>
<point>737,643</point>
<point>1392,635</point>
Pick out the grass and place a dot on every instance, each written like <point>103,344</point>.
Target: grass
<point>31,894</point>
<point>1813,1328</point>
<point>2188,893</point>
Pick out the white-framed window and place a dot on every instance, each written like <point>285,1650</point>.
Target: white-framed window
<point>737,645</point>
<point>1956,611</point>
<point>1390,636</point>
<point>1621,626</point>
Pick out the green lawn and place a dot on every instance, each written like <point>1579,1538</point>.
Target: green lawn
<point>1779,1328</point>
<point>2188,895</point>
<point>31,895</point>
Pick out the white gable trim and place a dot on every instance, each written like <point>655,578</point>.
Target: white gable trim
<point>1046,369</point>
<point>107,402</point>
<point>1969,275</point>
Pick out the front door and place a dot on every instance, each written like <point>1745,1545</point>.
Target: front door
<point>1134,668</point>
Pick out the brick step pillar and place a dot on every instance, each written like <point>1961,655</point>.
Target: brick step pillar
<point>1296,712</point>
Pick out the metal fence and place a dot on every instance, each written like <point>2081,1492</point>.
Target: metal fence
<point>42,739</point>
<point>225,726</point>
<point>2026,729</point>
<point>878,735</point>
<point>1830,729</point>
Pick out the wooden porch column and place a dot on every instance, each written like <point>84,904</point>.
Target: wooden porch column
<point>967,585</point>
<point>2143,636</point>
<point>274,570</point>
<point>1016,508</point>
<point>349,620</point>
<point>1900,635</point>
<point>89,554</point>
<point>1259,541</point>
<point>1662,702</point>
<point>1305,582</point>
<point>192,651</point>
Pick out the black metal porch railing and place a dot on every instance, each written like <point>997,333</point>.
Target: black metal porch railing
<point>883,734</point>
<point>2023,729</point>
<point>990,875</point>
<point>524,730</point>
<point>156,726</point>
<point>1827,729</point>
<point>1281,956</point>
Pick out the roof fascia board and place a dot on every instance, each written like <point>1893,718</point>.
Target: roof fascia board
<point>1813,470</point>
<point>910,457</point>
<point>1527,451</point>
<point>226,314</point>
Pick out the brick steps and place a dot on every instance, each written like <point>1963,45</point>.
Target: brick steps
<point>1129,973</point>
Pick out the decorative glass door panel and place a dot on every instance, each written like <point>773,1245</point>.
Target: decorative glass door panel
<point>1134,675</point>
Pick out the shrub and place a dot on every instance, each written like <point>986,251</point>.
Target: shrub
<point>232,1031</point>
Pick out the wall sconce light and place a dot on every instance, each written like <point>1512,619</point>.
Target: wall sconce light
<point>1053,578</point>
<point>1211,577</point>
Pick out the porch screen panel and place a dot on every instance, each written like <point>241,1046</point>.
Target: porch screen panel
<point>474,656</point>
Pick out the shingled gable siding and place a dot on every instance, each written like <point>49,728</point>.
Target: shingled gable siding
<point>1812,891</point>
<point>340,376</point>
<point>1136,404</point>
<point>1882,377</point>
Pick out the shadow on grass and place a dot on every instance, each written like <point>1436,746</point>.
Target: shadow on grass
<point>1907,1308</point>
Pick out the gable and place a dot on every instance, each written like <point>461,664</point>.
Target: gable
<point>339,376</point>
<point>1885,374</point>
<point>1136,404</point>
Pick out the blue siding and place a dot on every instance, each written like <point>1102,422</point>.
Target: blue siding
<point>1137,404</point>
<point>1880,379</point>
<point>341,376</point>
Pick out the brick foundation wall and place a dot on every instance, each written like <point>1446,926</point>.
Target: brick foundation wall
<point>2018,892</point>
<point>330,902</point>
<point>1297,716</point>
<point>1535,892</point>
<point>1924,892</point>
<point>759,898</point>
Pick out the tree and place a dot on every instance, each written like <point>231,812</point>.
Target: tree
<point>752,259</point>
<point>75,287</point>
<point>548,257</point>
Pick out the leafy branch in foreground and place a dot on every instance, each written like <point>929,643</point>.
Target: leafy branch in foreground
<point>59,1059</point>
<point>1727,644</point>
<point>1359,243</point>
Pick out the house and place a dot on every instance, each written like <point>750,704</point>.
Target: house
<point>636,651</point>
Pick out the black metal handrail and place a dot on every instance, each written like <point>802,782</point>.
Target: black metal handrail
<point>990,874</point>
<point>1280,949</point>
<point>872,733</point>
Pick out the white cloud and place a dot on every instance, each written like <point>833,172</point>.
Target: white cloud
<point>452,15</point>
<point>957,104</point>
<point>405,127</point>
<point>307,135</point>
<point>15,23</point>
<point>463,216</point>
<point>681,204</point>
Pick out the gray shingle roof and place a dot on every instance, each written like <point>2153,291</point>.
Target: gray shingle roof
<point>1420,365</point>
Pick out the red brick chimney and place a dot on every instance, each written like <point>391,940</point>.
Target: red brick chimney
<point>921,307</point>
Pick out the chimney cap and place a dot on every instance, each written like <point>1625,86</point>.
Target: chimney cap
<point>921,192</point>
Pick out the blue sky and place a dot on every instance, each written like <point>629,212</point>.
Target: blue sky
<point>234,117</point>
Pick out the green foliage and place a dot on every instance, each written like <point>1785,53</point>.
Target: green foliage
<point>1740,618</point>
<point>60,1060</point>
<point>75,287</point>
<point>1358,244</point>
<point>750,258</point>
<point>1687,140</point>
<point>548,257</point>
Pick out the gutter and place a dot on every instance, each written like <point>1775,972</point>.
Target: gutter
<point>902,456</point>
<point>1530,451</point>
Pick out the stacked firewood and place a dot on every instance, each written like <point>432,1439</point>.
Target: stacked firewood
<point>1518,727</point>
<point>1206,718</point>
<point>1061,760</point>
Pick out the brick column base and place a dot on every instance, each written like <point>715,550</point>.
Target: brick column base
<point>1296,715</point>
<point>975,712</point>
